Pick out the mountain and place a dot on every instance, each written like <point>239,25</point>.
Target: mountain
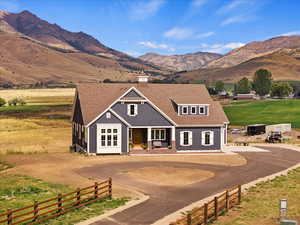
<point>33,50</point>
<point>284,65</point>
<point>187,62</point>
<point>255,49</point>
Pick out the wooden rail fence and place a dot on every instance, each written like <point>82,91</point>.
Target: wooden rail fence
<point>41,211</point>
<point>211,210</point>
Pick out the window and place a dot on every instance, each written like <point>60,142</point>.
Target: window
<point>132,110</point>
<point>201,110</point>
<point>108,115</point>
<point>207,138</point>
<point>186,138</point>
<point>184,110</point>
<point>158,134</point>
<point>193,110</point>
<point>109,137</point>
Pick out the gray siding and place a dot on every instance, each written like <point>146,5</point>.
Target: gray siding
<point>132,94</point>
<point>190,110</point>
<point>93,132</point>
<point>77,138</point>
<point>147,115</point>
<point>197,145</point>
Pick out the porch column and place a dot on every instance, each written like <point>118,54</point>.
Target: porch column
<point>173,139</point>
<point>149,138</point>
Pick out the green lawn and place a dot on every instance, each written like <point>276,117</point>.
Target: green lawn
<point>267,112</point>
<point>18,191</point>
<point>260,204</point>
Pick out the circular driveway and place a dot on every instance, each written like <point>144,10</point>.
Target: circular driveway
<point>165,200</point>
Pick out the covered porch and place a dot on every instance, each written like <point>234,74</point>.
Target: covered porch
<point>143,139</point>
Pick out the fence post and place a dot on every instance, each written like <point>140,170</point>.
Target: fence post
<point>59,203</point>
<point>110,188</point>
<point>77,196</point>
<point>227,200</point>
<point>96,190</point>
<point>36,210</point>
<point>9,216</point>
<point>239,194</point>
<point>216,207</point>
<point>205,219</point>
<point>189,218</point>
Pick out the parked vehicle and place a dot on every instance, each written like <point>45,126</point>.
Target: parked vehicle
<point>256,129</point>
<point>274,137</point>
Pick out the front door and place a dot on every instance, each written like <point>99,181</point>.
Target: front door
<point>137,137</point>
<point>109,138</point>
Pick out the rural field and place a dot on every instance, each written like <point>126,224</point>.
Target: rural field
<point>243,113</point>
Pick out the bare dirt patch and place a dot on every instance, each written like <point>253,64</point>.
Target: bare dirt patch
<point>170,176</point>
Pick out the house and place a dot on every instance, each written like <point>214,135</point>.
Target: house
<point>126,118</point>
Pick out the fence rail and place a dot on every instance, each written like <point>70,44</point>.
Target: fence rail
<point>41,211</point>
<point>211,210</point>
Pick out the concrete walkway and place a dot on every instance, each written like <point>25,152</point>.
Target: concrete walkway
<point>165,200</point>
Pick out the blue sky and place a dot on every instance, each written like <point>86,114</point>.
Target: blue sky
<point>169,26</point>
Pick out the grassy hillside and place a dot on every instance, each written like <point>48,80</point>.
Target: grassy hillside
<point>267,112</point>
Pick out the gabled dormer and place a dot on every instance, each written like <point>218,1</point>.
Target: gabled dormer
<point>184,107</point>
<point>193,109</point>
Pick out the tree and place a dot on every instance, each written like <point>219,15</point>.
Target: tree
<point>281,89</point>
<point>2,102</point>
<point>262,82</point>
<point>219,86</point>
<point>243,86</point>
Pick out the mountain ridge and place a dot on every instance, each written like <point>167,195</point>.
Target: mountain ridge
<point>188,61</point>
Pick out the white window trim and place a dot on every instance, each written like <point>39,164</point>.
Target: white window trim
<point>190,138</point>
<point>194,107</point>
<point>187,110</point>
<point>135,109</point>
<point>160,134</point>
<point>108,115</point>
<point>203,110</point>
<point>211,135</point>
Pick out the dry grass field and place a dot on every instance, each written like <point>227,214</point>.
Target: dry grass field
<point>41,126</point>
<point>40,95</point>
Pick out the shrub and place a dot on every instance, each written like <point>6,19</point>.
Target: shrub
<point>16,101</point>
<point>2,102</point>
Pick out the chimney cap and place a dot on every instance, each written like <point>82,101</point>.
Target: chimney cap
<point>143,78</point>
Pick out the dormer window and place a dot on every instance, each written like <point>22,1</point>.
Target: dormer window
<point>132,110</point>
<point>193,110</point>
<point>184,110</point>
<point>201,110</point>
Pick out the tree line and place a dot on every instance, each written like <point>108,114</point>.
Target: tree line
<point>262,84</point>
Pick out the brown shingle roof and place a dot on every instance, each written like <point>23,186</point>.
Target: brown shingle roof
<point>95,98</point>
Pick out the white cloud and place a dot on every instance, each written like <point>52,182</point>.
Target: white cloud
<point>241,11</point>
<point>198,3</point>
<point>236,19</point>
<point>205,35</point>
<point>179,33</point>
<point>9,5</point>
<point>291,33</point>
<point>221,48</point>
<point>153,45</point>
<point>235,4</point>
<point>144,9</point>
